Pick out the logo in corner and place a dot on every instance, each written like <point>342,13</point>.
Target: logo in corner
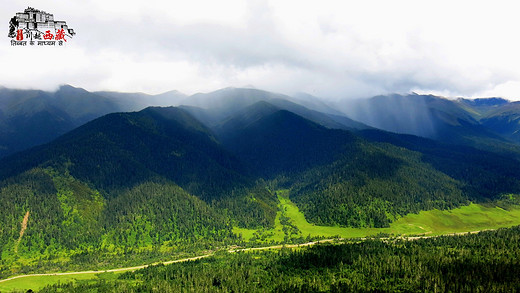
<point>37,27</point>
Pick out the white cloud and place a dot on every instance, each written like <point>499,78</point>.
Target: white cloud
<point>328,48</point>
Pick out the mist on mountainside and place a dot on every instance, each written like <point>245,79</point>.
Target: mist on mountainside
<point>401,114</point>
<point>32,117</point>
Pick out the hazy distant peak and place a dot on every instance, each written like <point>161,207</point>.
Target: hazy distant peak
<point>245,90</point>
<point>66,87</point>
<point>124,93</point>
<point>173,92</point>
<point>492,101</point>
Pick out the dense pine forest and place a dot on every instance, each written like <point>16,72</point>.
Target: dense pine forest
<point>484,262</point>
<point>130,188</point>
<point>254,170</point>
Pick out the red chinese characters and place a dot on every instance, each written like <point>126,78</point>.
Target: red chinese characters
<point>60,35</point>
<point>19,35</point>
<point>48,35</point>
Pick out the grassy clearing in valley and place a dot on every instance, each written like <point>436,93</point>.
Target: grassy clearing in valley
<point>38,282</point>
<point>473,217</point>
<point>434,222</point>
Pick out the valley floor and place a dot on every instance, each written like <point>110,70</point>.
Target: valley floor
<point>291,225</point>
<point>474,217</point>
<point>38,281</point>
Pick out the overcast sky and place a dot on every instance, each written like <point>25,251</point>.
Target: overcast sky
<point>331,49</point>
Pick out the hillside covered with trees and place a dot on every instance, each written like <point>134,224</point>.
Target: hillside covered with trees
<point>132,187</point>
<point>484,262</point>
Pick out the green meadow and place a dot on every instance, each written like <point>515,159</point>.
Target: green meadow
<point>38,282</point>
<point>291,223</point>
<point>473,217</point>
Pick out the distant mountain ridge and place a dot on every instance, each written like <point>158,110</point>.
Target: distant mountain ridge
<point>32,117</point>
<point>488,124</point>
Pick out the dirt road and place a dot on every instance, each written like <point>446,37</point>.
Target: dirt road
<point>231,251</point>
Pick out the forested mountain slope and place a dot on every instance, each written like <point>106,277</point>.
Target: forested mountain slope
<point>339,178</point>
<point>169,178</point>
<point>123,149</point>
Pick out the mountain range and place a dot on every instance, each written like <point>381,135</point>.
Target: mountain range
<point>32,117</point>
<point>489,124</point>
<point>109,171</point>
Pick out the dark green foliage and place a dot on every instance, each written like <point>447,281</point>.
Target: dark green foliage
<point>484,262</point>
<point>125,149</point>
<point>153,214</point>
<point>71,225</point>
<point>63,214</point>
<point>251,208</point>
<point>285,143</point>
<point>369,185</point>
<point>139,185</point>
<point>113,184</point>
<point>33,191</point>
<point>484,175</point>
<point>337,178</point>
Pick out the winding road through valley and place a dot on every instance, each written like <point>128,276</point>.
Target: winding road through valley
<point>231,251</point>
